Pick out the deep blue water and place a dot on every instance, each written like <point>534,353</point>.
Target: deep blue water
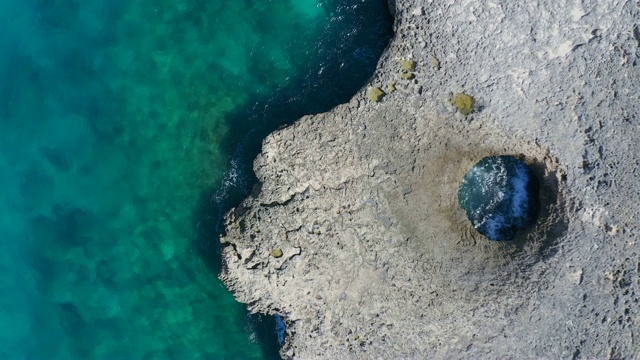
<point>127,129</point>
<point>500,196</point>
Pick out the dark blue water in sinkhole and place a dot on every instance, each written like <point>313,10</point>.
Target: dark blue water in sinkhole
<point>127,128</point>
<point>500,195</point>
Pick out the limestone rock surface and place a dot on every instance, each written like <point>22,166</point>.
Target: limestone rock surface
<point>379,262</point>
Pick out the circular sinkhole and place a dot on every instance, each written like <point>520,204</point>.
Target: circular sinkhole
<point>500,195</point>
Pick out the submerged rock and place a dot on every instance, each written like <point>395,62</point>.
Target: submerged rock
<point>500,196</point>
<point>281,328</point>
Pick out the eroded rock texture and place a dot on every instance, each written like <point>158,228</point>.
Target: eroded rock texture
<point>379,261</point>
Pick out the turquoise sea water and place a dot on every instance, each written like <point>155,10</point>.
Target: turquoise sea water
<point>127,128</point>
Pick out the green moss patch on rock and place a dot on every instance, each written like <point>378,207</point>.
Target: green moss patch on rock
<point>407,75</point>
<point>375,94</point>
<point>408,65</point>
<point>464,103</point>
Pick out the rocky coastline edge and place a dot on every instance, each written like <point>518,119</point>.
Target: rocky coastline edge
<point>354,236</point>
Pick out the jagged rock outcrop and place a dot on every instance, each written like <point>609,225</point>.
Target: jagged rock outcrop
<point>377,260</point>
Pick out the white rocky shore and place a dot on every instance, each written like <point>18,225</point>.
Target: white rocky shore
<point>355,237</point>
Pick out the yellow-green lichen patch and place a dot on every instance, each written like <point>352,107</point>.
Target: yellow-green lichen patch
<point>408,65</point>
<point>407,75</point>
<point>375,94</point>
<point>392,87</point>
<point>276,253</point>
<point>464,103</point>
